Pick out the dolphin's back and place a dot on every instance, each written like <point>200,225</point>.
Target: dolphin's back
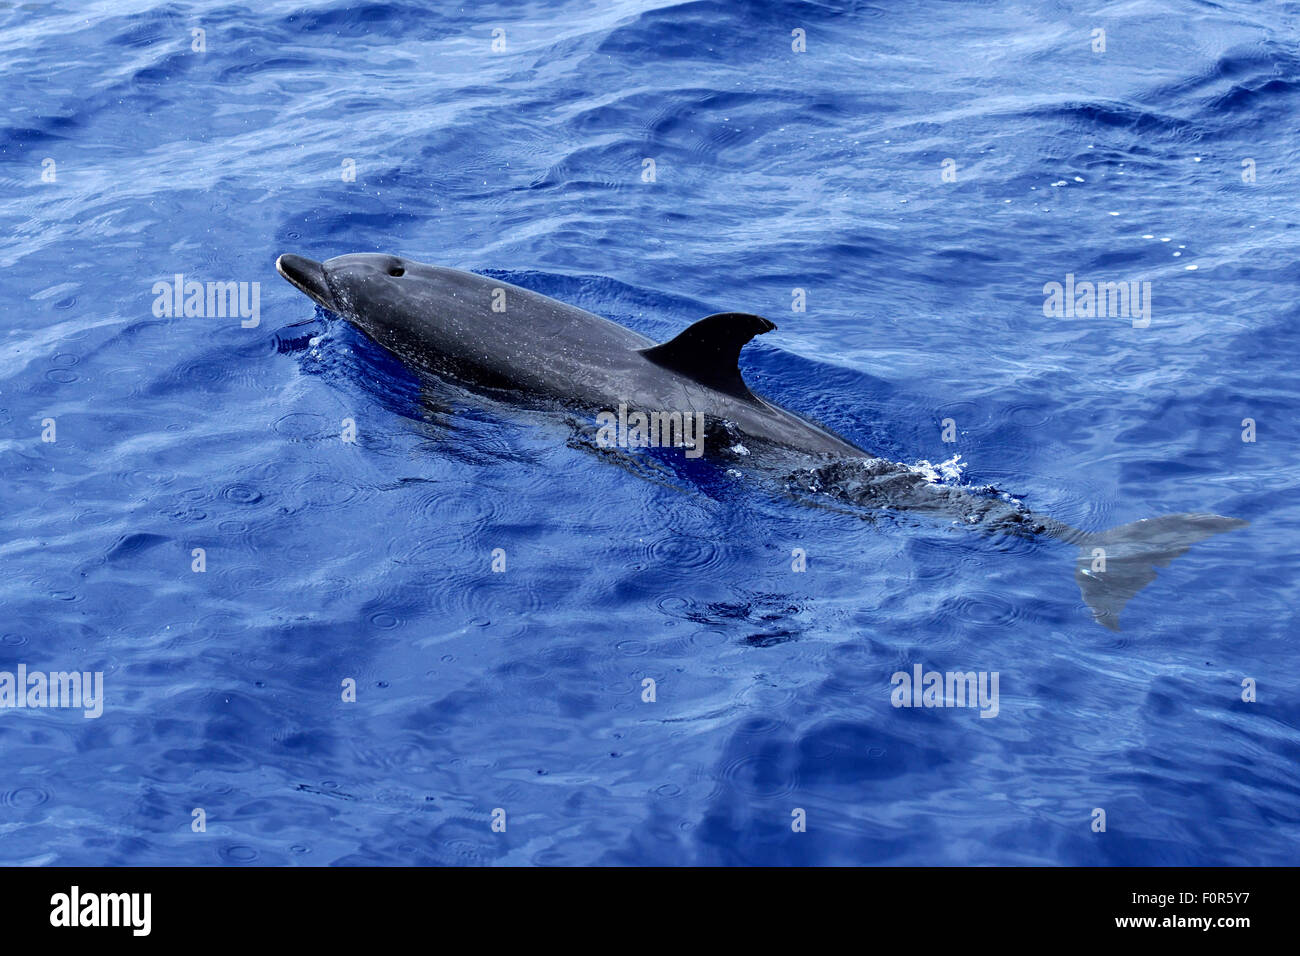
<point>498,332</point>
<point>443,320</point>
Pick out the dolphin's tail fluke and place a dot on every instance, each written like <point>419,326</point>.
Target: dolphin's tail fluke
<point>1115,565</point>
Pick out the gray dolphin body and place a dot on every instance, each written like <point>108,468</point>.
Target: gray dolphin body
<point>483,331</point>
<point>446,321</point>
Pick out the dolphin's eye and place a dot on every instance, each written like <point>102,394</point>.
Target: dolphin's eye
<point>397,272</point>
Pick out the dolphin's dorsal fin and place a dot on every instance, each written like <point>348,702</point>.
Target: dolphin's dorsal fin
<point>709,350</point>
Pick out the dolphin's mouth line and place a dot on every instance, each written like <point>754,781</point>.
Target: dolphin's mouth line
<point>308,277</point>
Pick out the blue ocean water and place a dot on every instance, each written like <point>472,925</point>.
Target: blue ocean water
<point>127,156</point>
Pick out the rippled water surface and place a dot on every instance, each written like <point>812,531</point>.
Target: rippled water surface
<point>774,170</point>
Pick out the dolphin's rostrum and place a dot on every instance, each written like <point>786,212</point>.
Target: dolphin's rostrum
<point>484,331</point>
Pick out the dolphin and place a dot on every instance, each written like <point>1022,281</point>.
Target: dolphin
<point>480,331</point>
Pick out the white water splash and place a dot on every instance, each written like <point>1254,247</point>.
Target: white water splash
<point>945,471</point>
